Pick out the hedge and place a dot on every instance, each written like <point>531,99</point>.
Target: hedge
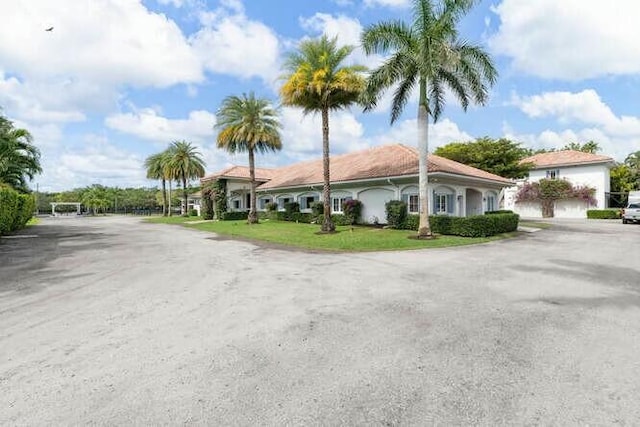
<point>15,209</point>
<point>603,214</point>
<point>472,226</point>
<point>234,216</point>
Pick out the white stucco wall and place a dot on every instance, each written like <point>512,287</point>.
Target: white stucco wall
<point>596,176</point>
<point>374,201</point>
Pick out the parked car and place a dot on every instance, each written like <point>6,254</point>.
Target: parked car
<point>631,213</point>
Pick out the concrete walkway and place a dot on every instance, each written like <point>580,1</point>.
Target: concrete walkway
<point>114,321</point>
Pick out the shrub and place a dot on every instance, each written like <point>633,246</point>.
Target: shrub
<point>547,191</point>
<point>317,209</point>
<point>396,213</point>
<point>234,216</point>
<point>352,209</point>
<point>473,226</point>
<point>15,209</point>
<point>272,207</point>
<point>603,214</point>
<point>193,212</point>
<point>291,208</point>
<point>502,211</point>
<point>220,198</point>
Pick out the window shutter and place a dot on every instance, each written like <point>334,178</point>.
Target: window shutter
<point>405,198</point>
<point>450,207</point>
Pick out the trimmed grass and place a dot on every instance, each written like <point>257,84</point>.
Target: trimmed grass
<point>33,221</point>
<point>305,235</point>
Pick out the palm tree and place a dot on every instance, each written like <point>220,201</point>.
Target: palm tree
<point>248,124</point>
<point>429,55</point>
<point>19,158</point>
<point>184,163</point>
<point>156,169</point>
<point>316,81</point>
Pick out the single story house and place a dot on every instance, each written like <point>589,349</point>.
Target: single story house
<point>581,169</point>
<point>373,176</point>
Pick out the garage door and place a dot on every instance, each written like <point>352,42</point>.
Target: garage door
<point>373,201</point>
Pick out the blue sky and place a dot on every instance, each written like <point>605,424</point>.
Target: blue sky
<point>118,80</point>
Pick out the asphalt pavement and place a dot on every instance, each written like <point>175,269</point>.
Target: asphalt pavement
<point>116,321</point>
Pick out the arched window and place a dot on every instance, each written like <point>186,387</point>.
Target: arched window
<point>283,200</point>
<point>307,199</point>
<point>409,195</point>
<point>337,199</point>
<point>263,201</point>
<point>443,198</point>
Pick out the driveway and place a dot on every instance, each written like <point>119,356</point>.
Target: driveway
<point>116,321</point>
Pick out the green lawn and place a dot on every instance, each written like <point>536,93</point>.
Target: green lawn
<point>304,235</point>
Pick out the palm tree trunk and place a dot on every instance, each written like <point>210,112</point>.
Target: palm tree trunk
<point>185,196</point>
<point>327,225</point>
<point>424,229</point>
<point>164,197</point>
<point>169,203</point>
<point>253,215</point>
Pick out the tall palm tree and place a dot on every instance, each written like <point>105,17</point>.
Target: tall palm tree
<point>184,163</point>
<point>316,81</point>
<point>427,54</point>
<point>19,158</point>
<point>248,124</point>
<point>155,165</point>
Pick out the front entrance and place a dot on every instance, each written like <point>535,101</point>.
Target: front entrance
<point>474,202</point>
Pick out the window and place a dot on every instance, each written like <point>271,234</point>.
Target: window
<point>307,201</point>
<point>262,203</point>
<point>336,203</point>
<point>236,204</point>
<point>413,203</point>
<point>491,202</point>
<point>441,204</point>
<point>553,174</point>
<point>283,201</point>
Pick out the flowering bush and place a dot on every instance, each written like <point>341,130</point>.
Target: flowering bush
<point>548,191</point>
<point>352,209</point>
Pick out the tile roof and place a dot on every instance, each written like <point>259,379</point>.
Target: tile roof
<point>241,172</point>
<point>378,162</point>
<point>565,158</point>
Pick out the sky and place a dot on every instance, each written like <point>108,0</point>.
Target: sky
<point>118,80</point>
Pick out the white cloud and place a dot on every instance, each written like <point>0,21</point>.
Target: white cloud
<point>303,134</point>
<point>441,133</point>
<point>387,3</point>
<point>148,124</point>
<point>231,43</point>
<point>569,39</point>
<point>111,42</point>
<point>583,107</point>
<point>97,162</point>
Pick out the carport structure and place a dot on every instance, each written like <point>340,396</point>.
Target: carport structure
<point>54,204</point>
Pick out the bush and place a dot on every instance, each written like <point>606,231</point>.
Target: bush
<point>234,216</point>
<point>193,212</point>
<point>352,209</point>
<point>396,213</point>
<point>291,208</point>
<point>15,209</point>
<point>272,207</point>
<point>317,209</point>
<point>503,211</point>
<point>604,214</point>
<point>473,226</point>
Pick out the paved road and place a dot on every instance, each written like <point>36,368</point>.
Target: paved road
<point>114,321</point>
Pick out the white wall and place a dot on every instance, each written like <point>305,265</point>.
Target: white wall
<point>595,176</point>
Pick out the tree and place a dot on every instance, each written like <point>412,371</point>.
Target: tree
<point>96,198</point>
<point>316,81</point>
<point>498,156</point>
<point>184,162</point>
<point>427,55</point>
<point>156,166</point>
<point>19,158</point>
<point>248,124</point>
<point>588,147</point>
